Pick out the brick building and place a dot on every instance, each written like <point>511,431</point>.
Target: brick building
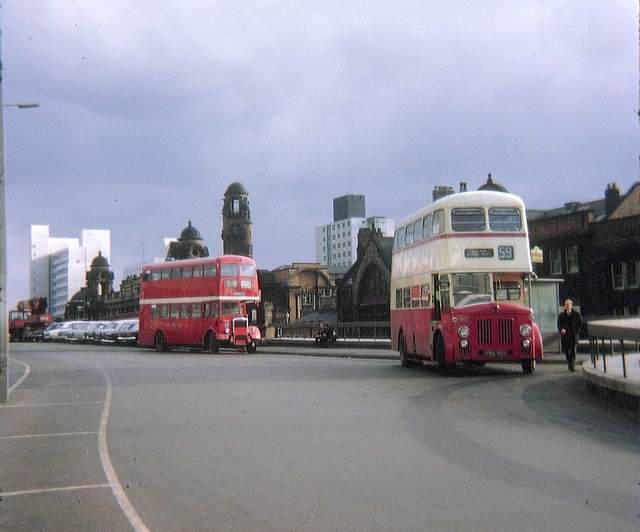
<point>594,247</point>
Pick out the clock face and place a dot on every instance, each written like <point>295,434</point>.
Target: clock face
<point>235,231</point>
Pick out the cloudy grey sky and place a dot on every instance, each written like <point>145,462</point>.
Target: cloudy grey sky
<point>150,109</point>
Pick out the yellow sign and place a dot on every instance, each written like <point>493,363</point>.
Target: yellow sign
<point>536,255</point>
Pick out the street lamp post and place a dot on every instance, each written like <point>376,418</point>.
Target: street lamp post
<point>4,317</point>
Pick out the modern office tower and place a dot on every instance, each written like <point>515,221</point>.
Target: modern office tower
<point>337,242</point>
<point>58,265</point>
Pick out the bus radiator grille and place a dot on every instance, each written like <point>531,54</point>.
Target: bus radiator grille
<point>503,328</point>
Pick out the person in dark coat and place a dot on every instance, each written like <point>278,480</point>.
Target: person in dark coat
<point>569,324</point>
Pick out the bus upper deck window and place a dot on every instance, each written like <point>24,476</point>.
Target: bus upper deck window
<point>427,221</point>
<point>438,222</point>
<point>197,271</point>
<point>417,231</point>
<point>229,270</point>
<point>505,219</point>
<point>468,219</point>
<point>408,239</point>
<point>400,238</point>
<point>165,273</point>
<point>175,273</point>
<point>247,270</point>
<point>210,270</point>
<point>186,273</point>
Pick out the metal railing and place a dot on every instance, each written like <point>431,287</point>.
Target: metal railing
<point>620,330</point>
<point>356,331</point>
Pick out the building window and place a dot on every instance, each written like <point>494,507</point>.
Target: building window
<point>632,274</point>
<point>624,275</point>
<point>617,277</point>
<point>572,259</point>
<point>555,260</point>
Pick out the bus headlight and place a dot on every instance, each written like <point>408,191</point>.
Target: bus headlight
<point>526,343</point>
<point>464,344</point>
<point>525,330</point>
<point>226,328</point>
<point>463,332</point>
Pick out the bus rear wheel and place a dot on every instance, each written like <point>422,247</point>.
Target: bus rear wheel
<point>402,349</point>
<point>211,344</point>
<point>159,342</point>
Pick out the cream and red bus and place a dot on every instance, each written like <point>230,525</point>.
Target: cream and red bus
<point>460,275</point>
<point>201,303</point>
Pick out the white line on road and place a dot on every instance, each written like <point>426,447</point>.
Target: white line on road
<point>53,490</point>
<point>136,521</point>
<point>53,434</point>
<point>27,370</point>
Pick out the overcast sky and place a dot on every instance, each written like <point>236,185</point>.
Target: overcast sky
<point>150,109</point>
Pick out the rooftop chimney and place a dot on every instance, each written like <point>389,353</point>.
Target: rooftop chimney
<point>611,199</point>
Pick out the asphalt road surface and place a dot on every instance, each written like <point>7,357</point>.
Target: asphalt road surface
<point>126,439</point>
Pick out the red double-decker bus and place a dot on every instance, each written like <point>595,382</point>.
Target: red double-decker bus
<point>460,275</point>
<point>203,303</point>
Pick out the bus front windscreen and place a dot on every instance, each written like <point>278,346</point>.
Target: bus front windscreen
<point>471,289</point>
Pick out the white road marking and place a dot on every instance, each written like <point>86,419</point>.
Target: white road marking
<point>53,490</point>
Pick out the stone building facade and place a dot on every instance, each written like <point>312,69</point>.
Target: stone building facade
<point>363,292</point>
<point>594,248</point>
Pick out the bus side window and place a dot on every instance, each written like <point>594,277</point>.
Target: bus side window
<point>210,270</point>
<point>164,312</point>
<point>186,273</point>
<point>417,230</point>
<point>165,273</point>
<point>438,222</point>
<point>155,312</point>
<point>427,221</point>
<point>415,296</point>
<point>196,311</point>
<point>398,297</point>
<point>400,238</point>
<point>425,295</point>
<point>184,311</point>
<point>175,273</point>
<point>197,271</point>
<point>406,298</point>
<point>408,239</point>
<point>156,275</point>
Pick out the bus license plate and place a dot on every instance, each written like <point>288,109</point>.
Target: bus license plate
<point>503,353</point>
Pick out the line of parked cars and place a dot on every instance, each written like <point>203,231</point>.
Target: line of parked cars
<point>122,332</point>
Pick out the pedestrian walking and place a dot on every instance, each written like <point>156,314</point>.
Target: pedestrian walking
<point>569,324</point>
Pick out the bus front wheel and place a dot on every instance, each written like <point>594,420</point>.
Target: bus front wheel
<point>402,351</point>
<point>252,347</point>
<point>159,342</point>
<point>528,366</point>
<point>211,344</point>
<point>438,351</point>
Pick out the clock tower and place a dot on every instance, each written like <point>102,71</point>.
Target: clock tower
<point>236,222</point>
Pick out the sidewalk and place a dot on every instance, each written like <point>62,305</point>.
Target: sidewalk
<point>608,373</point>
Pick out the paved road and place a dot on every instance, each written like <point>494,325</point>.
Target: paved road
<point>116,439</point>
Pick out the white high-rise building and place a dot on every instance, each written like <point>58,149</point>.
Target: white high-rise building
<point>58,265</point>
<point>337,242</point>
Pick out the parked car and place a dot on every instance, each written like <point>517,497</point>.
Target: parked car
<point>109,334</point>
<point>128,333</point>
<point>75,331</point>
<point>92,335</point>
<point>50,334</point>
